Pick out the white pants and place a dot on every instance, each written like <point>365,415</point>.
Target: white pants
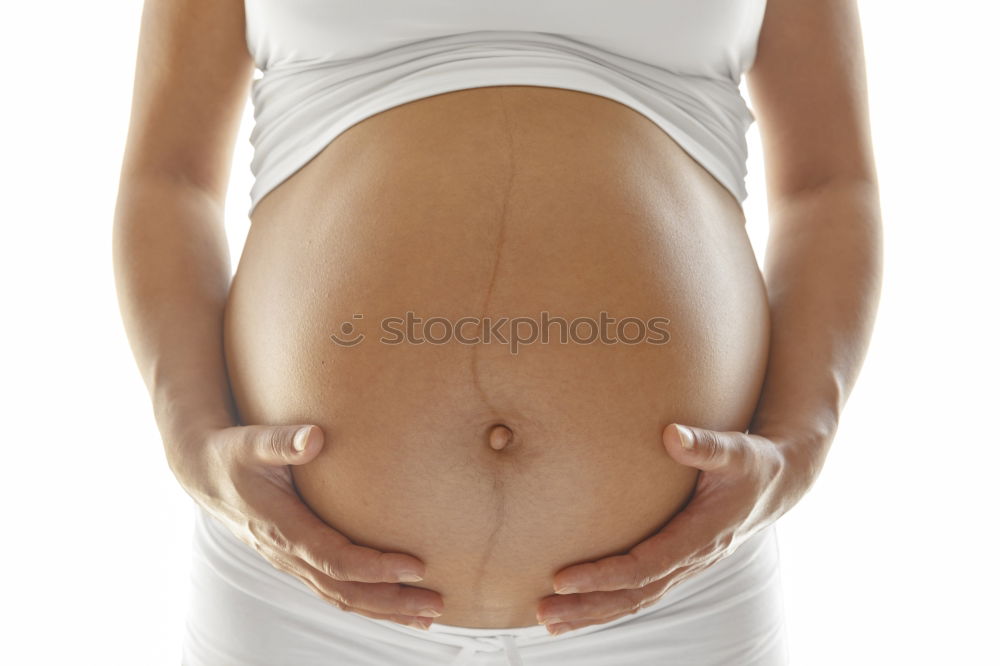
<point>245,612</point>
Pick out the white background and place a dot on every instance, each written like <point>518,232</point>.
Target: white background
<point>886,560</point>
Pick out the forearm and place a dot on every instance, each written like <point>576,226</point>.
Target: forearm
<point>823,270</point>
<point>172,274</point>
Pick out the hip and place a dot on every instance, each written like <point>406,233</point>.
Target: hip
<point>244,611</point>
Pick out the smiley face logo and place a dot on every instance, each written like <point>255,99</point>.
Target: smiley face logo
<point>347,330</point>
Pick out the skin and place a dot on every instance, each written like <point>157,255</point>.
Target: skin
<point>822,270</point>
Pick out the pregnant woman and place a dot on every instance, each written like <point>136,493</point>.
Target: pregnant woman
<point>498,378</point>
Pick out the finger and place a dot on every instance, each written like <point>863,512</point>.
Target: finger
<point>295,529</point>
<point>378,598</point>
<point>279,445</point>
<point>313,580</point>
<point>596,605</point>
<point>707,450</point>
<point>407,620</point>
<point>696,531</point>
<point>599,607</point>
<point>562,627</point>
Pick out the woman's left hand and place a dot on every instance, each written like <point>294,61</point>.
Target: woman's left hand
<point>747,481</point>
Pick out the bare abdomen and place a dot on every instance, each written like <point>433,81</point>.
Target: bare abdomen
<point>474,206</point>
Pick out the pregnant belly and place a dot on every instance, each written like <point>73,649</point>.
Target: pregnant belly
<point>539,259</point>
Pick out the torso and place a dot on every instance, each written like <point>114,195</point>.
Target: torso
<point>498,202</point>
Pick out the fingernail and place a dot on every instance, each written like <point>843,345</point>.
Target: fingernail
<point>567,589</point>
<point>687,437</point>
<point>550,620</point>
<point>421,624</point>
<point>556,629</point>
<point>300,439</point>
<point>409,576</point>
<point>429,612</point>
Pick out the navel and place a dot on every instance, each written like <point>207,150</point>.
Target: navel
<point>499,437</point>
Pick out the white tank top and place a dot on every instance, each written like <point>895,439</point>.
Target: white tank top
<point>329,64</point>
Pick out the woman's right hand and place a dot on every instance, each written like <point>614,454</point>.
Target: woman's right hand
<point>240,475</point>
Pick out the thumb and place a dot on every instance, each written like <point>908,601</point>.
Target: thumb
<point>705,449</point>
<point>283,445</point>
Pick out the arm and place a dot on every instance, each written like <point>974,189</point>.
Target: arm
<point>823,262</point>
<point>171,257</point>
<point>823,275</point>
<point>173,273</point>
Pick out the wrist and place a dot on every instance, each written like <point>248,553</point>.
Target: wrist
<point>803,454</point>
<point>187,447</point>
<point>179,421</point>
<point>182,429</point>
<point>181,412</point>
<point>814,430</point>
